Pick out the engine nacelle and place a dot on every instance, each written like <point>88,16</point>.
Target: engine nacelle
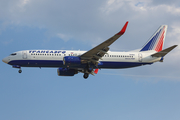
<point>71,60</point>
<point>66,72</point>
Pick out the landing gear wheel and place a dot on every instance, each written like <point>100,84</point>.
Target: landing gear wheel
<point>20,71</point>
<point>86,75</point>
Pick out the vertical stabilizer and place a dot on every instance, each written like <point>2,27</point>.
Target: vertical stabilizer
<point>156,42</point>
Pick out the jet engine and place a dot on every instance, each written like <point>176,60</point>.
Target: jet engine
<point>71,60</point>
<point>66,72</point>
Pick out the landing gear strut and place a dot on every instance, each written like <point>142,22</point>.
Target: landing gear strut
<point>17,66</point>
<point>87,70</point>
<point>86,75</point>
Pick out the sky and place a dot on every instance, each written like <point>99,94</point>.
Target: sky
<point>146,92</point>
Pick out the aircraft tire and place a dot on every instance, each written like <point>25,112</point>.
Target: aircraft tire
<point>20,71</point>
<point>86,75</point>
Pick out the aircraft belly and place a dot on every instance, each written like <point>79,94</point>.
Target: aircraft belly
<point>119,65</point>
<point>37,63</point>
<point>59,63</point>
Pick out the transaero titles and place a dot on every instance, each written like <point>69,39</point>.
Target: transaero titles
<point>46,51</point>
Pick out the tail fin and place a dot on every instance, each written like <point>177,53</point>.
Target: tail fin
<point>156,42</point>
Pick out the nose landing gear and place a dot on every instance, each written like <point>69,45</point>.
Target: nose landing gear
<point>86,75</point>
<point>20,71</point>
<point>17,66</point>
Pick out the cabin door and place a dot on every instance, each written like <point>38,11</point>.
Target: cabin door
<point>24,54</point>
<point>140,57</point>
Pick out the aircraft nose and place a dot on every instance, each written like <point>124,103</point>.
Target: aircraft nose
<point>5,60</point>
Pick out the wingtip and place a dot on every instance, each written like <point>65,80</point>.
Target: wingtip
<point>123,29</point>
<point>174,46</point>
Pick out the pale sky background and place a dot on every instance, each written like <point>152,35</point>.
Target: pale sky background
<point>142,93</point>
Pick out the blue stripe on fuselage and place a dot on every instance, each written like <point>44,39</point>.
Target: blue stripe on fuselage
<point>58,63</point>
<point>117,65</point>
<point>37,63</point>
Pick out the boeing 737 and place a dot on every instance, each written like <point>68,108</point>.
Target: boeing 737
<point>70,62</point>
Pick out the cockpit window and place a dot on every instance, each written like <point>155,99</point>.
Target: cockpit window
<point>13,54</point>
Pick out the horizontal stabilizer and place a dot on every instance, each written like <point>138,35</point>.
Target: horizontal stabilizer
<point>164,52</point>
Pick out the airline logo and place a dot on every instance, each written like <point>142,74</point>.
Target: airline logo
<point>46,51</point>
<point>159,44</point>
<point>157,40</point>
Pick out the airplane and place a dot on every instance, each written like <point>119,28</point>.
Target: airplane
<point>70,62</point>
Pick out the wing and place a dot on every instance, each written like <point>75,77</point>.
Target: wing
<point>98,52</point>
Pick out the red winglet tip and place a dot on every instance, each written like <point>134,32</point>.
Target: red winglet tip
<point>96,71</point>
<point>123,29</point>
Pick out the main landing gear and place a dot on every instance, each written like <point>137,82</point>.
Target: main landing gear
<point>87,70</point>
<point>86,75</point>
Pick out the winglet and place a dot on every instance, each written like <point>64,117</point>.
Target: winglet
<point>123,29</point>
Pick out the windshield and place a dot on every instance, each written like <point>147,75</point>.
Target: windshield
<point>13,54</point>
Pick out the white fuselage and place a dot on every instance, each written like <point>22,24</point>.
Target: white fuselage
<point>54,58</point>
